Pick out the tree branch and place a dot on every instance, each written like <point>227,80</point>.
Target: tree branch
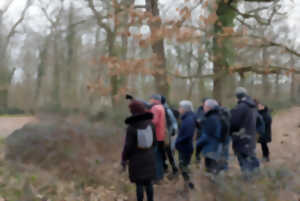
<point>15,25</point>
<point>254,69</point>
<point>98,16</point>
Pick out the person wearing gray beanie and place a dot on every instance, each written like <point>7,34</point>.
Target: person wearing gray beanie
<point>241,92</point>
<point>243,128</point>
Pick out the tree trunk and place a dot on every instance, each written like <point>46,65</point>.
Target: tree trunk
<point>41,69</point>
<point>266,84</point>
<point>161,83</point>
<point>223,52</point>
<point>293,82</point>
<point>56,77</point>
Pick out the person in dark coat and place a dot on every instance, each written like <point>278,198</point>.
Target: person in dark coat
<point>142,167</point>
<point>199,120</point>
<point>267,137</point>
<point>184,141</point>
<point>172,130</point>
<point>243,128</point>
<point>210,142</point>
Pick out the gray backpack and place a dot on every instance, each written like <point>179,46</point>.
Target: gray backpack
<point>145,138</point>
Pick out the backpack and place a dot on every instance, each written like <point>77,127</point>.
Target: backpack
<point>145,138</point>
<point>225,117</point>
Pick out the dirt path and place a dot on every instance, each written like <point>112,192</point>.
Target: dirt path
<point>10,124</point>
<point>286,137</point>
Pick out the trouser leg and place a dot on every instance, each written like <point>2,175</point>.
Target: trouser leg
<point>265,150</point>
<point>184,161</point>
<point>248,163</point>
<point>161,149</point>
<point>139,192</point>
<point>171,159</point>
<point>211,166</point>
<point>149,191</point>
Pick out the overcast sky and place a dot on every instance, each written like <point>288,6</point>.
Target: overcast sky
<point>38,22</point>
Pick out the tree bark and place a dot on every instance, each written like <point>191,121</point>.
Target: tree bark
<point>223,52</point>
<point>161,83</point>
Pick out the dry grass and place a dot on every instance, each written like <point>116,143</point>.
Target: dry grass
<point>278,180</point>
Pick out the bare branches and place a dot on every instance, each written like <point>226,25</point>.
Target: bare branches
<point>6,7</point>
<point>15,25</point>
<point>54,22</point>
<point>98,16</point>
<point>256,16</point>
<point>257,69</point>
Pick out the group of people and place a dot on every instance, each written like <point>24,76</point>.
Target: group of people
<point>155,133</point>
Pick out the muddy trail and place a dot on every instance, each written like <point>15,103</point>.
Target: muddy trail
<point>279,180</point>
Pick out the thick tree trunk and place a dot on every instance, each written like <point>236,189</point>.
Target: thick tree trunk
<point>161,83</point>
<point>223,52</point>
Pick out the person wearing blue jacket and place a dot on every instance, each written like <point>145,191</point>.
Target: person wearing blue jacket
<point>210,142</point>
<point>184,141</point>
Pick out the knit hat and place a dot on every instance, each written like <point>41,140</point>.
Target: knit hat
<point>156,97</point>
<point>137,107</point>
<point>241,92</point>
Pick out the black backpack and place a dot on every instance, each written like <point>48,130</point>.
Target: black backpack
<point>225,117</point>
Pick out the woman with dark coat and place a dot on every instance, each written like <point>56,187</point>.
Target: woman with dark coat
<point>141,160</point>
<point>267,136</point>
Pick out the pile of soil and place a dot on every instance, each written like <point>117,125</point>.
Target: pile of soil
<point>73,148</point>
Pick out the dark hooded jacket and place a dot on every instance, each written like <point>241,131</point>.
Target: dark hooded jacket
<point>184,141</point>
<point>243,126</point>
<point>141,161</point>
<point>199,120</point>
<point>210,140</point>
<point>267,137</point>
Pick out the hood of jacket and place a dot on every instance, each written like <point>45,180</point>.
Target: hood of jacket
<point>134,119</point>
<point>249,101</point>
<point>212,111</point>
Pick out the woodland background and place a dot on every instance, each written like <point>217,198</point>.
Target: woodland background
<point>85,55</point>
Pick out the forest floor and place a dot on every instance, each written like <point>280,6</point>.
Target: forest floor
<point>279,180</point>
<point>8,124</point>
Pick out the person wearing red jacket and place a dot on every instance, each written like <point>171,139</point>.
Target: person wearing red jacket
<point>159,121</point>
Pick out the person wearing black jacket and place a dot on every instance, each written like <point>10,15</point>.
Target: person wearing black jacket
<point>243,129</point>
<point>200,114</point>
<point>267,135</point>
<point>142,165</point>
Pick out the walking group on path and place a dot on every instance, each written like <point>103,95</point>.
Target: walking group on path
<point>156,132</point>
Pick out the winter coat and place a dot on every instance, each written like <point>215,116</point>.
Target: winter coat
<point>172,126</point>
<point>184,141</point>
<point>243,126</point>
<point>260,125</point>
<point>199,119</point>
<point>141,161</point>
<point>267,137</point>
<point>210,140</point>
<point>159,121</point>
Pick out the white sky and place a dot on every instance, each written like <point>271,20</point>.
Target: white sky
<point>37,21</point>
